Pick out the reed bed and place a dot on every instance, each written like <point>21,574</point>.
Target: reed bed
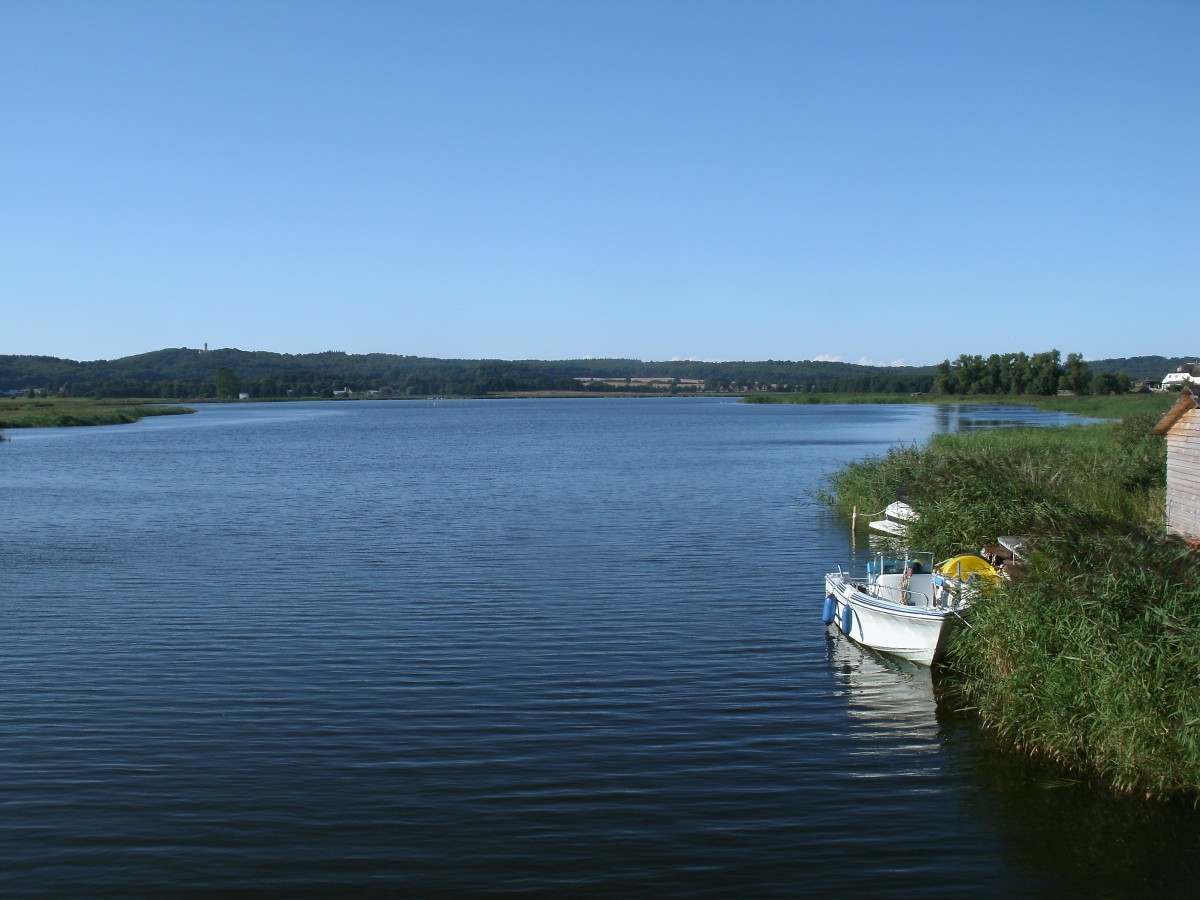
<point>1091,661</point>
<point>1113,406</point>
<point>1091,657</point>
<point>972,487</point>
<point>57,412</point>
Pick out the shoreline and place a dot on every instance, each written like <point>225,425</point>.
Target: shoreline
<point>67,412</point>
<point>1088,660</point>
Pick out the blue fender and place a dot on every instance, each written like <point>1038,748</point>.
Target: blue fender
<point>847,619</point>
<point>829,610</point>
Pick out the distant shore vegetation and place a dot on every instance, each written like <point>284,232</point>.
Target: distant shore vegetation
<point>189,374</point>
<point>1110,406</point>
<point>64,411</point>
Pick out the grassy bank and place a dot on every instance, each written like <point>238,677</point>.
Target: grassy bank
<point>1112,406</point>
<point>55,412</point>
<point>1091,658</point>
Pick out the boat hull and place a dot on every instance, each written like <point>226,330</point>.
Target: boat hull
<point>895,521</point>
<point>909,632</point>
<point>889,528</point>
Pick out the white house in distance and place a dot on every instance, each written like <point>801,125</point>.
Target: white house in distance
<point>1182,377</point>
<point>1181,426</point>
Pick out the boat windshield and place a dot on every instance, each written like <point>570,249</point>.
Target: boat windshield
<point>915,562</point>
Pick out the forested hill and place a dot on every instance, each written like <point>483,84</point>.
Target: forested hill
<point>190,373</point>
<point>193,373</point>
<point>1142,368</point>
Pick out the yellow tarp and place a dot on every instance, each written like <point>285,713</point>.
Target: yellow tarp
<point>971,565</point>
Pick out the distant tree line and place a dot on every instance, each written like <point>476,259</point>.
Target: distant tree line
<point>182,374</point>
<point>1042,374</point>
<point>187,374</point>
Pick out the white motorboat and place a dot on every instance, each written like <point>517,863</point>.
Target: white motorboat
<point>905,606</point>
<point>895,521</point>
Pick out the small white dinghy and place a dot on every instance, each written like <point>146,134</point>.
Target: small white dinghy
<point>896,517</point>
<point>905,606</point>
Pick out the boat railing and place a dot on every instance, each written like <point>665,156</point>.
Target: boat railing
<point>908,598</point>
<point>902,594</point>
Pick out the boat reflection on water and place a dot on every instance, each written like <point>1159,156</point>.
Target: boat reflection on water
<point>881,686</point>
<point>893,701</point>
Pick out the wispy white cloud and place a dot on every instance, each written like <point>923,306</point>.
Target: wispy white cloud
<point>826,357</point>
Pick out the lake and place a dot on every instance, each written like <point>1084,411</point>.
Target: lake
<point>545,647</point>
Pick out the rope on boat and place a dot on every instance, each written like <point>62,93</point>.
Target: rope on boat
<point>854,516</point>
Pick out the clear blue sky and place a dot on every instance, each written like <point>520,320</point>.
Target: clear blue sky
<point>866,181</point>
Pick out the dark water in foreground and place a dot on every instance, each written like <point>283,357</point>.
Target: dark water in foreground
<point>469,647</point>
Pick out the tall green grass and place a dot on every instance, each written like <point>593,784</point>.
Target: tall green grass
<point>56,412</point>
<point>972,487</point>
<point>1114,406</point>
<point>1092,658</point>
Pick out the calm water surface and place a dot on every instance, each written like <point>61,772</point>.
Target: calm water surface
<point>470,647</point>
